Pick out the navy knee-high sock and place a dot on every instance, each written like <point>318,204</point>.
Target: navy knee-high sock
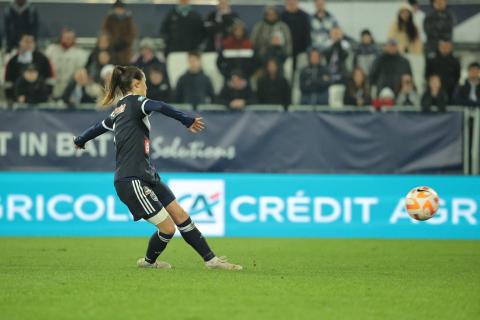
<point>194,237</point>
<point>157,243</point>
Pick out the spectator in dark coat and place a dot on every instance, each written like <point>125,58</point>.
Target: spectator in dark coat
<point>336,53</point>
<point>99,57</point>
<point>20,17</point>
<point>388,68</point>
<point>438,24</point>
<point>182,29</point>
<point>236,93</point>
<point>435,96</point>
<point>237,52</point>
<point>407,95</point>
<point>298,22</point>
<point>121,30</point>
<point>366,52</point>
<point>194,86</point>
<point>264,30</point>
<point>147,58</point>
<point>315,79</point>
<point>469,93</point>
<point>158,88</point>
<point>30,88</point>
<point>81,89</point>
<point>27,54</point>
<point>272,87</point>
<point>276,50</point>
<point>446,65</point>
<point>357,92</point>
<point>218,24</point>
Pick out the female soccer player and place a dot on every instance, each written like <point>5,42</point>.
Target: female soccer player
<point>136,181</point>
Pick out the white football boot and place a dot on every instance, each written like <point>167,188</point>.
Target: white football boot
<point>222,263</point>
<point>141,263</point>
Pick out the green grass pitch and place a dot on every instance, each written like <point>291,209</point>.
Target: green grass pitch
<point>96,278</point>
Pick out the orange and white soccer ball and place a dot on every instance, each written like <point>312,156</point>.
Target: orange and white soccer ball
<point>422,203</point>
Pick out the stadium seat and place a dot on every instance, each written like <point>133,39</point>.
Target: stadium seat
<point>176,66</point>
<point>302,62</point>
<point>209,64</point>
<point>301,108</point>
<point>335,95</point>
<point>265,107</point>
<point>211,107</point>
<point>288,69</point>
<point>417,63</point>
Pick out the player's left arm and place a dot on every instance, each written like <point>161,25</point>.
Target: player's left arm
<point>93,132</point>
<point>193,124</point>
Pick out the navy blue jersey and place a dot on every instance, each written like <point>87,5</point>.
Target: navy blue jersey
<point>131,127</point>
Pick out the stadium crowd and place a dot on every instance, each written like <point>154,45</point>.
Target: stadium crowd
<point>252,63</point>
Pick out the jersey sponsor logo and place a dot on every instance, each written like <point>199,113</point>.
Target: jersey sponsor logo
<point>204,199</point>
<point>118,110</point>
<point>146,144</point>
<point>149,193</point>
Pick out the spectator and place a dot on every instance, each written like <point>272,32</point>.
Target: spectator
<point>407,95</point>
<point>194,87</point>
<point>418,17</point>
<point>446,65</point>
<point>66,58</point>
<point>298,22</point>
<point>30,88</point>
<point>406,32</point>
<point>438,24</point>
<point>94,68</point>
<point>366,52</point>
<point>386,98</point>
<point>357,92</point>
<point>336,53</point>
<point>315,80</point>
<point>182,28</point>
<point>272,87</point>
<point>102,45</point>
<point>81,89</point>
<point>218,24</point>
<point>389,67</point>
<point>264,30</point>
<point>469,93</point>
<point>276,50</point>
<point>236,94</point>
<point>434,95</point>
<point>118,25</point>
<point>20,18</point>
<point>321,23</point>
<point>237,52</point>
<point>27,54</point>
<point>158,88</point>
<point>147,58</point>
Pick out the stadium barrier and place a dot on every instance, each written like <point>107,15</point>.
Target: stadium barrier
<point>243,205</point>
<point>331,142</point>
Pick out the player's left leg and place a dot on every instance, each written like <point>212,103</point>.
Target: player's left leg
<point>188,230</point>
<point>194,237</point>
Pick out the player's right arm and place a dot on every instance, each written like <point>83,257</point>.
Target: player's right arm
<point>93,132</point>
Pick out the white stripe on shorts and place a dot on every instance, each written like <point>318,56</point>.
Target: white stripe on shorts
<point>139,197</point>
<point>149,205</point>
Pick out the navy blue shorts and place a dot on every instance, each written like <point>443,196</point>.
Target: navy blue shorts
<point>144,200</point>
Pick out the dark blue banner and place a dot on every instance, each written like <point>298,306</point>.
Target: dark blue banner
<point>246,142</point>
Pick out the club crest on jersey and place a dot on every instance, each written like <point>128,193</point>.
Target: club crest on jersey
<point>146,144</point>
<point>149,193</point>
<point>118,110</point>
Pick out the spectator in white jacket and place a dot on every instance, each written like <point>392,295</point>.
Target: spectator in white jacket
<point>66,58</point>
